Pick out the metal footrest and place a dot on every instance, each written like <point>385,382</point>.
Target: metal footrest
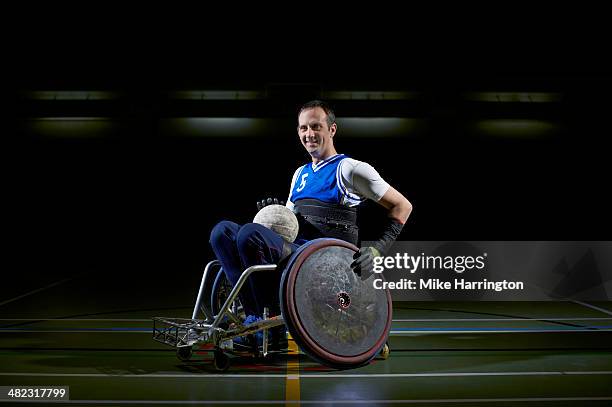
<point>179,332</point>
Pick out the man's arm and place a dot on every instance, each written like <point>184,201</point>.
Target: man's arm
<point>399,209</point>
<point>398,206</point>
<point>362,178</point>
<point>369,183</point>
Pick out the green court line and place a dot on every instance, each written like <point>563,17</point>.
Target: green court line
<point>314,375</point>
<point>327,401</point>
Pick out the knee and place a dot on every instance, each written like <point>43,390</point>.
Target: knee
<point>223,231</point>
<point>250,235</point>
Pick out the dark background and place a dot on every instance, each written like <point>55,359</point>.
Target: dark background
<point>137,198</point>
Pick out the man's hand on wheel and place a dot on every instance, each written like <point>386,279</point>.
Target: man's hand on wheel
<point>269,201</point>
<point>363,261</point>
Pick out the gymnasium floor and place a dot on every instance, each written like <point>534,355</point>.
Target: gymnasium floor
<point>93,334</point>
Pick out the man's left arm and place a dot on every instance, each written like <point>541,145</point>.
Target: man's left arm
<point>398,211</point>
<point>398,207</point>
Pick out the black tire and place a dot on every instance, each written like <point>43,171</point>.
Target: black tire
<point>221,361</point>
<point>184,353</point>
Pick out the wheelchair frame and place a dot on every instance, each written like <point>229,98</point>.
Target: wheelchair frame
<point>219,330</point>
<point>183,333</point>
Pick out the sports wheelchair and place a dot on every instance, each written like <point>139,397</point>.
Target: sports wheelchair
<point>333,315</point>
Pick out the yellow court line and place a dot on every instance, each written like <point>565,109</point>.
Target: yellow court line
<point>292,383</point>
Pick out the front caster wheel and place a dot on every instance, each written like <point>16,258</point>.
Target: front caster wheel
<point>221,361</point>
<point>184,353</point>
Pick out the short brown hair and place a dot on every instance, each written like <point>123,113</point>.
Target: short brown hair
<point>331,116</point>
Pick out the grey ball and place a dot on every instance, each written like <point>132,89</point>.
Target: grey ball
<point>280,219</point>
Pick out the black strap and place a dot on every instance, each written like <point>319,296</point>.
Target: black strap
<point>321,219</point>
<point>333,212</point>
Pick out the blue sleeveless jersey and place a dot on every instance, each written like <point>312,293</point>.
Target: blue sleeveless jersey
<point>323,182</point>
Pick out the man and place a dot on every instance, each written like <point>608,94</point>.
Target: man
<point>324,195</point>
<point>326,192</point>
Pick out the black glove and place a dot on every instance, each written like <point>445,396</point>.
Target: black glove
<point>363,262</point>
<point>265,202</point>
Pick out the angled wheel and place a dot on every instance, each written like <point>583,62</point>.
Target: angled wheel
<point>207,289</point>
<point>334,316</point>
<point>221,289</point>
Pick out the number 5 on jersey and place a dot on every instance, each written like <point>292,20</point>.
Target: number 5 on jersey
<point>302,183</point>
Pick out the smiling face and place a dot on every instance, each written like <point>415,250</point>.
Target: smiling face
<point>316,134</point>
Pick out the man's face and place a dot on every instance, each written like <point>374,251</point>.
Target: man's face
<point>315,134</point>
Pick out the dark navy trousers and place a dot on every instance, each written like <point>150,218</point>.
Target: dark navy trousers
<point>239,247</point>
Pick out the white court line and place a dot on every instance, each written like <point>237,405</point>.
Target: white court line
<point>87,319</point>
<point>605,311</point>
<point>74,331</point>
<point>35,291</point>
<point>394,320</point>
<point>500,331</point>
<point>312,375</point>
<point>322,401</point>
